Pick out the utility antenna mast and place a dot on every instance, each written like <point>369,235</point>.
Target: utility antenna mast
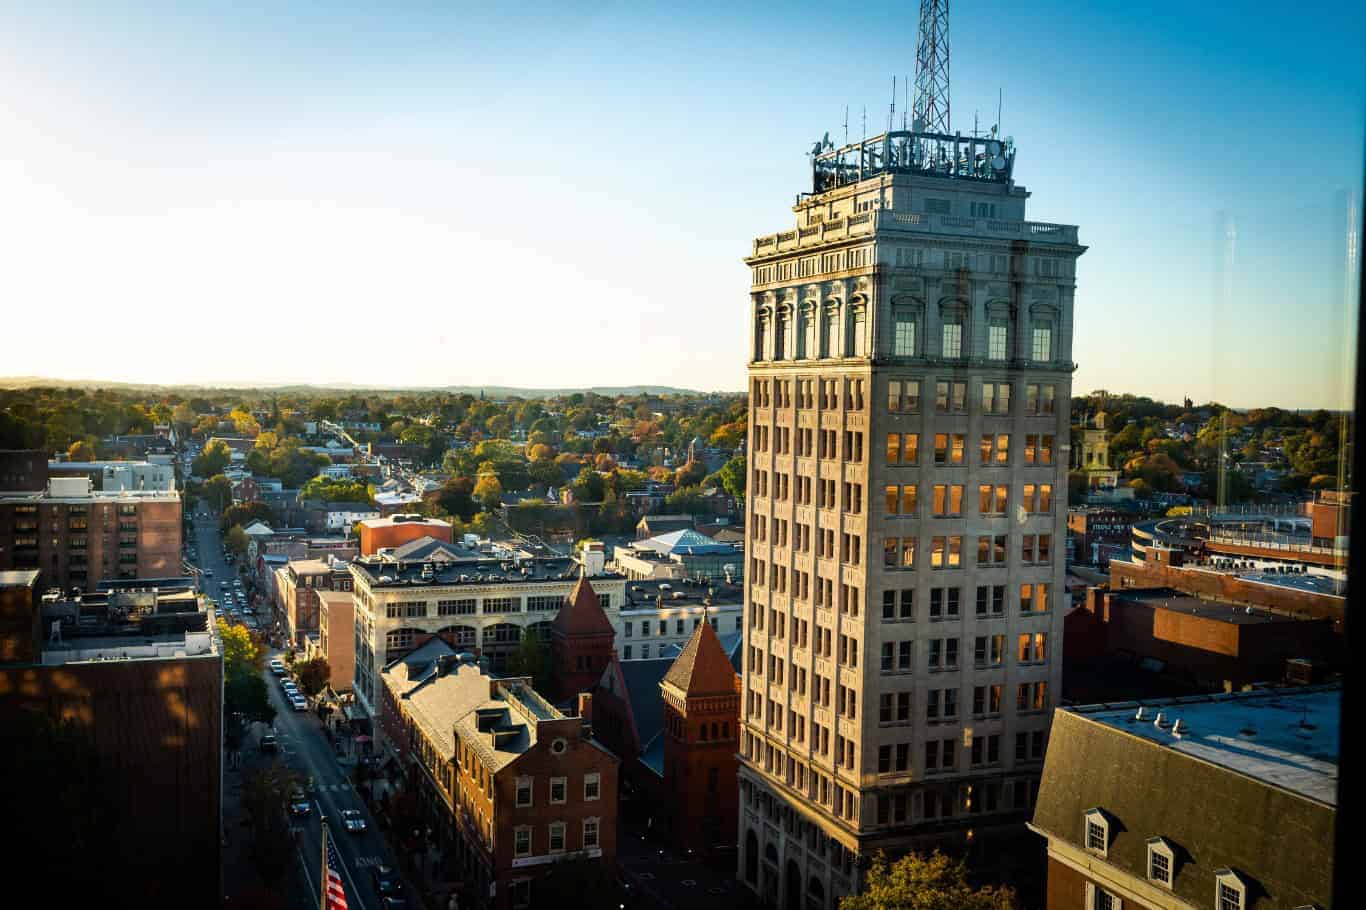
<point>930,111</point>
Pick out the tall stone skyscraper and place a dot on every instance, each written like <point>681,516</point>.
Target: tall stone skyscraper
<point>909,378</point>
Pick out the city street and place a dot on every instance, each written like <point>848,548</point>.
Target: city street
<point>303,748</point>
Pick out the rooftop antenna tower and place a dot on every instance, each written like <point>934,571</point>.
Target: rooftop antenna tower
<point>930,111</point>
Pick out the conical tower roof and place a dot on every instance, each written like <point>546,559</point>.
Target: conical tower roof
<point>703,667</point>
<point>581,613</point>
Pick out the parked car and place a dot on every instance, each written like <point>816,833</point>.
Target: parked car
<point>299,702</point>
<point>387,882</point>
<point>269,743</point>
<point>353,821</point>
<point>299,804</point>
<point>277,667</point>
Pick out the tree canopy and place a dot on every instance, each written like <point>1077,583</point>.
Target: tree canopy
<point>918,882</point>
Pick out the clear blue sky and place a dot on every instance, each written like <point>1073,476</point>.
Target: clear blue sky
<point>551,196</point>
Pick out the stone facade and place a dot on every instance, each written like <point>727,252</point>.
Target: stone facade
<point>909,377</point>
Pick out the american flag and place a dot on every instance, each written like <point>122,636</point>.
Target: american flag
<point>335,898</point>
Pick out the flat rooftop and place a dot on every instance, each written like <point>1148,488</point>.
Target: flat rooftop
<point>642,595</point>
<point>18,578</point>
<point>1285,737</point>
<point>1234,614</point>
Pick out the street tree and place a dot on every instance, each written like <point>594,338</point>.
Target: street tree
<point>918,882</point>
<point>313,675</point>
<point>215,457</point>
<point>236,541</point>
<point>218,492</point>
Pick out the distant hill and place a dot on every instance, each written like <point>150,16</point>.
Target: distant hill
<point>490,391</point>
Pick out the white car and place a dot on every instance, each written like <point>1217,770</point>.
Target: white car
<point>299,702</point>
<point>277,668</point>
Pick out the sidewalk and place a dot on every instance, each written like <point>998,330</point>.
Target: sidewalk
<point>242,884</point>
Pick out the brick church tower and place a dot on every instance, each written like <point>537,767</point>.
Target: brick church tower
<point>701,737</point>
<point>581,640</point>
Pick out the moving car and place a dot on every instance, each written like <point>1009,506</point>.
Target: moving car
<point>269,743</point>
<point>353,821</point>
<point>299,804</point>
<point>277,667</point>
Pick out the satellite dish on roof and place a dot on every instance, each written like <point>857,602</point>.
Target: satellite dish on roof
<point>999,162</point>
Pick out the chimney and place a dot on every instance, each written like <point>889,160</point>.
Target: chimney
<point>586,707</point>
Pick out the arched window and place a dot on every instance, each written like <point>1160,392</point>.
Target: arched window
<point>462,638</point>
<point>539,631</point>
<point>761,334</point>
<point>398,642</point>
<point>782,337</point>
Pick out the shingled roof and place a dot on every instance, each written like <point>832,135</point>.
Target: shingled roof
<point>703,668</point>
<point>581,613</point>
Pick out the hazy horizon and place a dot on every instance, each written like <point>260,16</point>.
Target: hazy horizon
<point>560,197</point>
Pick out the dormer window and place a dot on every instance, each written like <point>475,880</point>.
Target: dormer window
<point>1230,891</point>
<point>1161,862</point>
<point>1097,828</point>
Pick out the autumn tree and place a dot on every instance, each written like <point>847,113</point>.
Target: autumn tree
<point>690,475</point>
<point>236,541</point>
<point>313,675</point>
<point>215,457</point>
<point>81,450</point>
<point>218,492</point>
<point>917,882</point>
<point>488,490</point>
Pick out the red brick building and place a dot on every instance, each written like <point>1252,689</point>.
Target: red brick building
<point>580,642</point>
<point>701,695</point>
<point>396,530</point>
<point>77,537</point>
<point>1204,645</point>
<point>509,784</point>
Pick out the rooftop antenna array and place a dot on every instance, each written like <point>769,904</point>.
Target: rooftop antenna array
<point>930,111</point>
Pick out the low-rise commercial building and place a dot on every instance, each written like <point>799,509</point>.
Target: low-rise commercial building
<point>300,581</point>
<point>509,784</point>
<point>1160,638</point>
<point>337,637</point>
<point>681,554</point>
<point>483,599</point>
<point>396,530</point>
<point>1225,801</point>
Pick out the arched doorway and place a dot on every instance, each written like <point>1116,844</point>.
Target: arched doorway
<point>793,889</point>
<point>768,888</point>
<point>815,894</point>
<point>752,858</point>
